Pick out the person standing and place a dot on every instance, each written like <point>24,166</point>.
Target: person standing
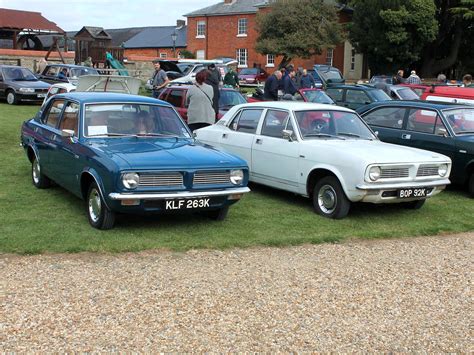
<point>289,85</point>
<point>214,79</point>
<point>441,79</point>
<point>413,78</point>
<point>272,84</point>
<point>467,81</point>
<point>199,101</point>
<point>399,79</point>
<point>159,79</point>
<point>307,80</point>
<point>231,78</point>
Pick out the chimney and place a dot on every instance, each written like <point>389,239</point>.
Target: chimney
<point>180,23</point>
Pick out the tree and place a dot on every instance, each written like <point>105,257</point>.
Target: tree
<point>392,33</point>
<point>298,28</point>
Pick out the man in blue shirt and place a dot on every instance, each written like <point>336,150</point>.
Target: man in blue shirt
<point>270,91</point>
<point>289,86</point>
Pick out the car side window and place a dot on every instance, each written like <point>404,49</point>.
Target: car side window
<point>175,98</point>
<point>425,121</point>
<point>274,124</point>
<point>51,71</point>
<point>54,112</point>
<point>70,118</point>
<point>357,96</point>
<point>335,94</point>
<point>391,117</point>
<point>246,121</point>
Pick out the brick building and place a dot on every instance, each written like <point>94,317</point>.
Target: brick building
<point>228,29</point>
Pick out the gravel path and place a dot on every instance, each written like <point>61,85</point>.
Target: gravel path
<point>409,294</point>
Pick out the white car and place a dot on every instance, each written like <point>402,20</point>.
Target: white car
<point>326,153</point>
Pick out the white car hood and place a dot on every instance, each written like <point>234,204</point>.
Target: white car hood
<point>377,152</point>
<point>109,83</point>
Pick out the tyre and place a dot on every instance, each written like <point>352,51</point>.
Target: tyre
<point>39,180</point>
<point>471,185</point>
<point>99,215</point>
<point>218,215</point>
<point>12,98</point>
<point>414,205</point>
<point>329,200</point>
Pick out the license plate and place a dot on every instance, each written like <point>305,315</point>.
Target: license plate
<point>412,193</point>
<point>41,95</point>
<point>187,204</point>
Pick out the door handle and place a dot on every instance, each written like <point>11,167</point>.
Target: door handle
<point>406,136</point>
<point>259,141</point>
<point>224,135</point>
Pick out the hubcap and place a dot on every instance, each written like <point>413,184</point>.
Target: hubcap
<point>36,171</point>
<point>95,205</point>
<point>10,98</point>
<point>327,199</point>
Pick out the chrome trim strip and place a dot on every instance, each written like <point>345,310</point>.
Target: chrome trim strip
<point>404,185</point>
<point>184,194</point>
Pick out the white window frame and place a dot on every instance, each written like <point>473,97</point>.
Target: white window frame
<point>242,27</point>
<point>201,29</point>
<point>329,56</point>
<point>353,60</point>
<point>270,61</point>
<point>163,55</point>
<point>199,52</point>
<point>242,56</point>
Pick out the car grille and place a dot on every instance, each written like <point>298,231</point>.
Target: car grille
<point>211,177</point>
<point>394,173</point>
<point>161,179</point>
<point>41,91</point>
<point>427,170</point>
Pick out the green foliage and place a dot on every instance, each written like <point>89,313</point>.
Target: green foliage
<point>187,54</point>
<point>392,33</point>
<point>465,9</point>
<point>298,28</point>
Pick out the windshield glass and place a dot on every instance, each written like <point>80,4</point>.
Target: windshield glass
<point>185,68</point>
<point>380,79</point>
<point>249,71</point>
<point>19,74</point>
<point>229,98</point>
<point>408,94</point>
<point>380,95</point>
<point>83,71</point>
<point>461,120</point>
<point>123,119</point>
<point>315,124</point>
<point>317,96</point>
<point>330,74</point>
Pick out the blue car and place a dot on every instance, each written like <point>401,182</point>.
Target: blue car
<point>128,154</point>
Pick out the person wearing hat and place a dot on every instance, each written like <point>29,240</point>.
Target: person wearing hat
<point>413,78</point>
<point>214,79</point>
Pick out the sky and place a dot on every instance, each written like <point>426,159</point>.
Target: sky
<point>72,15</point>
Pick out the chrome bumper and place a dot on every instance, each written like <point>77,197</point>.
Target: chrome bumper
<point>403,185</point>
<point>177,195</point>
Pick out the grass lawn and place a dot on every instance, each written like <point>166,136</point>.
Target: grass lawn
<point>53,220</point>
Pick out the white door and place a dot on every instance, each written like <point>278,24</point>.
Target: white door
<point>275,159</point>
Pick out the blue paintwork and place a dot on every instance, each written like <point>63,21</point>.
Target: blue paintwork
<point>105,159</point>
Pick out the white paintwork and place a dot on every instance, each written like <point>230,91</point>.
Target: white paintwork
<point>287,165</point>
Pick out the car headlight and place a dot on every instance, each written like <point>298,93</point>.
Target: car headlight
<point>236,177</point>
<point>26,90</point>
<point>130,180</point>
<point>443,170</point>
<point>374,173</point>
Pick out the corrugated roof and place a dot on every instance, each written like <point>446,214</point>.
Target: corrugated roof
<point>235,7</point>
<point>95,32</point>
<point>158,37</point>
<point>122,35</point>
<point>22,20</point>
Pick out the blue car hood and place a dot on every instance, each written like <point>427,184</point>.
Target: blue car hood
<point>152,154</point>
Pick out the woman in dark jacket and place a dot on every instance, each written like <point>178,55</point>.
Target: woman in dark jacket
<point>213,79</point>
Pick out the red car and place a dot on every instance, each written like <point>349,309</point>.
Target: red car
<point>444,93</point>
<point>306,95</point>
<point>252,76</point>
<point>176,96</point>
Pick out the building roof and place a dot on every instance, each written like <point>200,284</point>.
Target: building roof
<point>95,32</point>
<point>158,37</point>
<point>26,20</point>
<point>122,35</point>
<point>234,7</point>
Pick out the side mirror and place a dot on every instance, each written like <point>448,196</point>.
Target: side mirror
<point>442,132</point>
<point>376,133</point>
<point>287,134</point>
<point>67,133</point>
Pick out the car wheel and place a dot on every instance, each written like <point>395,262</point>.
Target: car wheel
<point>471,185</point>
<point>99,215</point>
<point>329,200</point>
<point>414,205</point>
<point>39,180</point>
<point>218,215</point>
<point>12,99</point>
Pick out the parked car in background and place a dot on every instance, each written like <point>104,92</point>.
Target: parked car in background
<point>252,76</point>
<point>65,73</point>
<point>398,92</point>
<point>128,154</point>
<point>19,84</point>
<point>385,79</point>
<point>325,75</point>
<point>176,96</point>
<point>439,127</point>
<point>454,94</point>
<point>326,153</point>
<point>419,89</point>
<point>307,95</point>
<point>355,96</point>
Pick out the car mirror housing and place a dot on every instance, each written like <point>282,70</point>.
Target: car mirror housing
<point>442,132</point>
<point>287,134</point>
<point>67,133</point>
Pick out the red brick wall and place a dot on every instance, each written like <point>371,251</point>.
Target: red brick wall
<point>150,52</point>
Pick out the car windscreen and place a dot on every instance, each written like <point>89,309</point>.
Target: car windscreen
<point>461,120</point>
<point>317,96</point>
<point>380,95</point>
<point>129,119</point>
<point>19,74</point>
<point>314,124</point>
<point>229,98</point>
<point>76,72</point>
<point>408,94</point>
<point>249,71</point>
<point>185,68</point>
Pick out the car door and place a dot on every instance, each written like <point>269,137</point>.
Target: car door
<point>275,159</point>
<point>240,133</point>
<point>337,95</point>
<point>67,155</point>
<point>356,98</point>
<point>387,121</point>
<point>424,129</point>
<point>2,84</point>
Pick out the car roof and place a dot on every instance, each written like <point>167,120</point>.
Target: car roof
<point>69,66</point>
<point>187,86</point>
<point>294,106</point>
<point>414,103</point>
<point>109,97</point>
<point>13,66</point>
<point>356,86</point>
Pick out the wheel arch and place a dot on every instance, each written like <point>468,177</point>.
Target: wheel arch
<point>89,176</point>
<point>31,153</point>
<point>318,173</point>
